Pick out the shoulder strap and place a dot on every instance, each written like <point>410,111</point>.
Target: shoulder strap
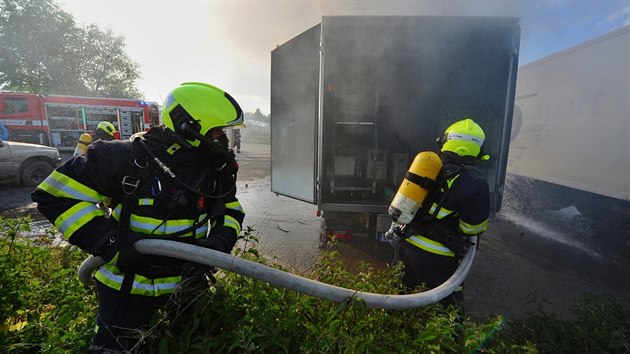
<point>447,172</point>
<point>137,169</point>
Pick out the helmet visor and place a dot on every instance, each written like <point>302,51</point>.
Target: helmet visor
<point>239,112</point>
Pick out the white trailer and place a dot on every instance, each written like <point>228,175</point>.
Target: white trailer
<point>568,169</point>
<point>571,123</point>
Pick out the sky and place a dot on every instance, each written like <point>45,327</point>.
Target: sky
<point>228,43</point>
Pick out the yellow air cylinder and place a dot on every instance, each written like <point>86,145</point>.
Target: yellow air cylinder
<point>84,140</point>
<point>410,195</point>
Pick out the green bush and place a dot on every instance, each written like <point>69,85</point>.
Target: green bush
<point>46,309</point>
<point>242,315</point>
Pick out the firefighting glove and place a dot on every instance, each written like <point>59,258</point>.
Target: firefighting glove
<point>214,242</point>
<point>128,256</point>
<point>108,249</point>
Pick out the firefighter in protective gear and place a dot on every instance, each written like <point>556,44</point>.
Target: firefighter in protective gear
<point>104,131</point>
<point>459,208</point>
<point>176,182</point>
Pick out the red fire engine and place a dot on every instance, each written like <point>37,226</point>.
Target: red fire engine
<point>59,120</point>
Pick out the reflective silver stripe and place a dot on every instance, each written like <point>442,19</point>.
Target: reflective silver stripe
<point>466,137</point>
<point>65,190</point>
<point>229,221</point>
<point>156,288</point>
<point>473,229</point>
<point>164,229</point>
<point>235,206</point>
<point>442,213</point>
<point>202,231</point>
<point>425,244</point>
<point>145,201</point>
<point>78,214</point>
<point>147,224</point>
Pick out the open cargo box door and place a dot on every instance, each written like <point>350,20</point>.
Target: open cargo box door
<point>294,112</point>
<point>392,84</point>
<point>385,87</point>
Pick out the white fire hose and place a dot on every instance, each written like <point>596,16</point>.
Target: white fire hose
<point>287,280</point>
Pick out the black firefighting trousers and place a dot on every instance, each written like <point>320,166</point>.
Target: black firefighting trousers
<point>431,269</point>
<point>123,336</point>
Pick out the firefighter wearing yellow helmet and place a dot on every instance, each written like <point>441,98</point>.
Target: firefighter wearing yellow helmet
<point>464,138</point>
<point>176,182</point>
<point>105,131</point>
<point>457,207</point>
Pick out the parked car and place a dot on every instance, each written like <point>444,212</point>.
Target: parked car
<point>26,164</point>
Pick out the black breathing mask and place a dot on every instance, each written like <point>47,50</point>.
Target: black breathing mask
<point>187,128</point>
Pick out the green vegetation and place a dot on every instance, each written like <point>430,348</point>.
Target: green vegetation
<point>45,309</point>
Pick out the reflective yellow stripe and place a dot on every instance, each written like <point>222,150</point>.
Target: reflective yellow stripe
<point>173,148</point>
<point>60,185</point>
<point>442,213</point>
<point>146,201</point>
<point>469,229</point>
<point>77,216</point>
<point>235,206</point>
<point>430,245</point>
<point>110,275</point>
<point>231,222</point>
<point>148,225</point>
<point>449,183</point>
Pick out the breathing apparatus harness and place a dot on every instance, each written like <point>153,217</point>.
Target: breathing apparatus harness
<point>425,219</point>
<point>139,170</point>
<point>141,158</point>
<point>440,231</point>
<point>186,129</point>
<point>194,188</point>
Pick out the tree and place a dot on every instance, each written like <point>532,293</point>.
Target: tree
<point>104,68</point>
<point>44,51</point>
<point>32,35</point>
<point>258,116</point>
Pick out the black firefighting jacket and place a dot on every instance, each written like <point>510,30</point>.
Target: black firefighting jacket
<point>460,208</point>
<point>84,196</point>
